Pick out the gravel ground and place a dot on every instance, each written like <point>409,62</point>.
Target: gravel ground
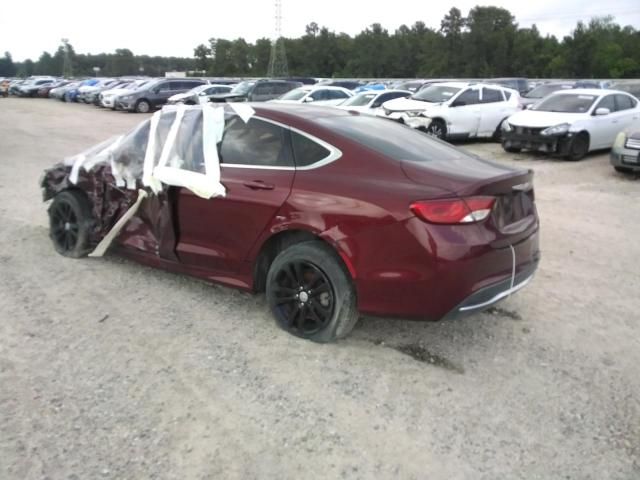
<point>113,370</point>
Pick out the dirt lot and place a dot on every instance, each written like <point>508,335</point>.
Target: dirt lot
<point>113,370</point>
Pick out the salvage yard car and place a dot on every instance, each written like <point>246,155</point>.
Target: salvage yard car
<point>455,110</point>
<point>571,123</point>
<point>625,154</point>
<point>329,212</point>
<point>318,95</point>
<point>371,101</point>
<point>154,94</point>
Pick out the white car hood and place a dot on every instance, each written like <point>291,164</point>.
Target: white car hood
<point>535,119</point>
<point>406,104</point>
<point>180,96</point>
<point>117,91</point>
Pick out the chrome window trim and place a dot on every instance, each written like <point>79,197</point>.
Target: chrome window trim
<point>334,153</point>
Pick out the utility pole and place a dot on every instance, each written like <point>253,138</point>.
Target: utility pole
<point>67,67</point>
<point>278,60</point>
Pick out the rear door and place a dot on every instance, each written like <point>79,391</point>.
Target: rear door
<point>257,170</point>
<point>606,127</point>
<point>493,109</point>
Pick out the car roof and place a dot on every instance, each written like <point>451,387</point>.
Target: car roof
<point>598,92</point>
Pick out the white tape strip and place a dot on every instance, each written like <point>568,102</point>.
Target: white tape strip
<point>244,111</point>
<point>150,155</point>
<point>113,233</point>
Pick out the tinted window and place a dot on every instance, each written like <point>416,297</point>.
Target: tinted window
<point>163,87</point>
<point>337,94</point>
<point>624,102</point>
<point>280,88</point>
<point>390,138</point>
<point>491,95</point>
<point>256,143</point>
<point>306,151</point>
<point>468,97</point>
<point>322,94</point>
<point>607,102</point>
<point>263,89</point>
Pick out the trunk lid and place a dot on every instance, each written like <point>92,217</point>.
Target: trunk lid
<point>513,216</point>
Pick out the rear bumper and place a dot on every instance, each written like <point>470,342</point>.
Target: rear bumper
<point>488,296</point>
<point>430,272</point>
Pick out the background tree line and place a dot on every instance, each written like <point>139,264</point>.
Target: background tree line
<point>121,62</point>
<point>486,43</point>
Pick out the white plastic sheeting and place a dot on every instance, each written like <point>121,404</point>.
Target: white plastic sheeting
<point>176,147</point>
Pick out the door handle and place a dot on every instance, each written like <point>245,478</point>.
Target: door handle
<point>259,185</point>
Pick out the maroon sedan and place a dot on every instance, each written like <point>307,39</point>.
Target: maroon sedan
<point>329,212</point>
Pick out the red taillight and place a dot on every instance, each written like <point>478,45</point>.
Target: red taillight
<point>454,210</point>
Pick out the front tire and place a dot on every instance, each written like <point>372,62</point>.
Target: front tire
<point>143,106</point>
<point>510,149</point>
<point>311,294</point>
<point>70,222</point>
<point>578,147</point>
<point>438,129</point>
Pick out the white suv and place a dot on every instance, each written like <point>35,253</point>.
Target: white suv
<point>456,109</point>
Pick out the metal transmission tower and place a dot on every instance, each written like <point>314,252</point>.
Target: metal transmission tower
<point>67,67</point>
<point>278,60</point>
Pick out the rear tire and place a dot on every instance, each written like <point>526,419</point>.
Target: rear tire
<point>311,294</point>
<point>143,106</point>
<point>578,148</point>
<point>70,222</point>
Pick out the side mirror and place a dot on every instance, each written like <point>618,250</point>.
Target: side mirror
<point>529,107</point>
<point>308,99</point>
<point>602,111</point>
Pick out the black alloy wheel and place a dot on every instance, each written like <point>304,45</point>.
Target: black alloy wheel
<point>311,293</point>
<point>304,298</point>
<point>69,223</point>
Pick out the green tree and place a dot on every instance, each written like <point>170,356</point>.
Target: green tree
<point>7,67</point>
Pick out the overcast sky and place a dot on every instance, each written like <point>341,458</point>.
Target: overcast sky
<point>29,27</point>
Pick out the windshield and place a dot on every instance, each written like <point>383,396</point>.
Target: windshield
<point>359,100</point>
<point>435,93</point>
<point>198,89</point>
<point>242,88</point>
<point>566,103</point>
<point>295,94</point>
<point>544,90</point>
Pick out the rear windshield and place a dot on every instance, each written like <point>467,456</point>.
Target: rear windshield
<point>566,103</point>
<point>391,139</point>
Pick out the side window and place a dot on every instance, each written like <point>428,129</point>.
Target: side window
<point>624,102</point>
<point>468,97</point>
<point>282,88</point>
<point>320,95</point>
<point>256,142</point>
<point>263,89</point>
<point>491,95</point>
<point>337,95</point>
<point>306,151</point>
<point>164,87</point>
<point>607,102</point>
